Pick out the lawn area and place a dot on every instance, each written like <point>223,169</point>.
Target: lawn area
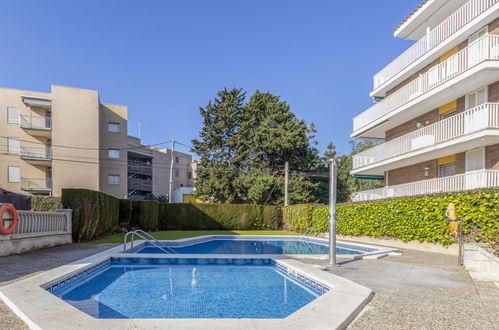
<point>177,234</point>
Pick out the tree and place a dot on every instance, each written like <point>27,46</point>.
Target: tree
<point>243,148</point>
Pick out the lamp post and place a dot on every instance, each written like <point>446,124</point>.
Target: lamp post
<point>332,213</point>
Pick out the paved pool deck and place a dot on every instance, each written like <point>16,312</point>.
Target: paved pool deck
<point>417,290</point>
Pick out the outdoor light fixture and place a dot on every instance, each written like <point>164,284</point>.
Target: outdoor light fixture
<point>426,171</point>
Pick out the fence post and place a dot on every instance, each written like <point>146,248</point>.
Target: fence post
<point>69,218</point>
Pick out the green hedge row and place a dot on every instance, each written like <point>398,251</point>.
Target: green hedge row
<point>218,216</point>
<point>95,214</point>
<point>417,218</point>
<point>144,215</point>
<point>45,203</point>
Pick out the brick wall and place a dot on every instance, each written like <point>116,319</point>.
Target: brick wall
<point>492,157</point>
<point>494,27</point>
<point>494,92</point>
<point>415,172</point>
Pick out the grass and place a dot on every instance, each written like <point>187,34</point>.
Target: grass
<point>177,234</point>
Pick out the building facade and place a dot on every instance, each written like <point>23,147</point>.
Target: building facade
<point>436,110</point>
<point>69,139</point>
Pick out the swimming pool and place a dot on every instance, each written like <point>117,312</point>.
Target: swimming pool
<point>188,288</point>
<point>262,245</point>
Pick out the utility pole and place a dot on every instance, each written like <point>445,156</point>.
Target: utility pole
<point>332,213</point>
<point>286,180</point>
<point>138,125</point>
<point>171,173</point>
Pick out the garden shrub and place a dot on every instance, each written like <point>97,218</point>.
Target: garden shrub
<point>419,218</point>
<point>144,215</point>
<point>45,203</point>
<point>95,214</point>
<point>125,212</point>
<point>219,216</point>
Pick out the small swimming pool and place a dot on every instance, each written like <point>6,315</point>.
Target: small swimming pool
<point>188,288</point>
<point>274,246</point>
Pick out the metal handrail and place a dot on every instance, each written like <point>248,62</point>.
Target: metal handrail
<point>147,237</point>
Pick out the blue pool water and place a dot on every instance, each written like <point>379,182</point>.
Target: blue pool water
<point>239,246</point>
<point>125,289</point>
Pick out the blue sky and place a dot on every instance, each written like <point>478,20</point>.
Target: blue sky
<point>164,59</point>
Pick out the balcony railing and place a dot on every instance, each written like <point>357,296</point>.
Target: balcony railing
<point>139,168</point>
<point>139,184</point>
<point>44,153</point>
<point>35,184</point>
<point>466,181</point>
<point>485,48</point>
<point>36,122</point>
<point>478,118</point>
<point>440,33</point>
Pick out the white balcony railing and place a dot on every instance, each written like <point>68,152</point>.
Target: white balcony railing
<point>36,153</point>
<point>478,118</point>
<point>36,122</point>
<point>440,33</point>
<point>485,48</point>
<point>36,184</point>
<point>466,181</point>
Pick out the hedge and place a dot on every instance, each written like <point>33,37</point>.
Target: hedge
<point>95,214</point>
<point>218,216</point>
<point>419,218</point>
<point>125,212</point>
<point>45,203</point>
<point>144,215</point>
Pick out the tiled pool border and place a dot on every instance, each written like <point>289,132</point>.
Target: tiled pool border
<point>40,309</point>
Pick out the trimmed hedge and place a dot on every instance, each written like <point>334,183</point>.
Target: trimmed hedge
<point>125,212</point>
<point>218,216</point>
<point>45,203</point>
<point>95,214</point>
<point>419,218</point>
<point>144,215</point>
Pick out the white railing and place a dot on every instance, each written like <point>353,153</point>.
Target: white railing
<point>478,118</point>
<point>36,122</point>
<point>36,153</point>
<point>35,184</point>
<point>31,222</point>
<point>440,33</point>
<point>466,181</point>
<point>485,48</point>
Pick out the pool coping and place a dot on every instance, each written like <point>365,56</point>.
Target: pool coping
<point>40,309</point>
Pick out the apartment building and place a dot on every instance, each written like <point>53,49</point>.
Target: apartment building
<point>436,110</point>
<point>69,139</point>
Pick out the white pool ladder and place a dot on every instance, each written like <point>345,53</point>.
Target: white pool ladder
<point>149,238</point>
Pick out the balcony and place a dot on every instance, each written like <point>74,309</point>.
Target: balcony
<point>466,181</point>
<point>465,70</point>
<point>460,128</point>
<point>36,125</point>
<point>139,184</point>
<point>453,24</point>
<point>37,156</point>
<point>36,185</point>
<point>139,168</point>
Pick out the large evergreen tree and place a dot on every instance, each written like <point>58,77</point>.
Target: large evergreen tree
<point>243,148</point>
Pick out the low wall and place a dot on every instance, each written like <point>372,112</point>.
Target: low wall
<point>480,263</point>
<point>36,230</point>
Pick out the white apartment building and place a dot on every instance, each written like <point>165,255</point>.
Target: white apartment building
<point>436,110</point>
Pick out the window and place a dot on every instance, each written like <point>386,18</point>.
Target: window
<point>448,169</point>
<point>476,98</point>
<point>113,179</point>
<point>14,145</point>
<point>113,127</point>
<point>14,174</point>
<point>176,159</point>
<point>189,175</point>
<point>176,173</point>
<point>113,153</point>
<point>12,115</point>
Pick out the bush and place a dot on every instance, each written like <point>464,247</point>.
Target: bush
<point>95,214</point>
<point>125,212</point>
<point>45,203</point>
<point>419,218</point>
<point>219,216</point>
<point>144,215</point>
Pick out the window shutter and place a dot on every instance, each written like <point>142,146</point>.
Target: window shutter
<point>12,115</point>
<point>14,145</point>
<point>14,174</point>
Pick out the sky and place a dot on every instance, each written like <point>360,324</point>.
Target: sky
<point>164,58</point>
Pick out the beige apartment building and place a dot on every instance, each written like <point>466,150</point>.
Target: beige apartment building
<point>436,110</point>
<point>69,139</point>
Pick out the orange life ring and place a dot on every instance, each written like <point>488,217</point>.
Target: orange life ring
<point>12,209</point>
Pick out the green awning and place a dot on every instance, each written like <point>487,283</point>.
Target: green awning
<point>368,177</point>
